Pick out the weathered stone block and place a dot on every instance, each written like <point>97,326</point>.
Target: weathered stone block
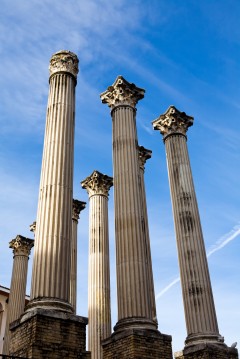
<point>48,334</point>
<point>138,344</point>
<point>207,351</point>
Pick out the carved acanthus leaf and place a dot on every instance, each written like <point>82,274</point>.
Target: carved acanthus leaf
<point>64,61</point>
<point>21,245</point>
<point>122,93</point>
<point>32,227</point>
<point>173,121</point>
<point>78,206</point>
<point>143,155</point>
<point>97,183</point>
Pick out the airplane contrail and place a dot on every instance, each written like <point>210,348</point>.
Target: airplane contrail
<point>164,290</point>
<point>221,243</point>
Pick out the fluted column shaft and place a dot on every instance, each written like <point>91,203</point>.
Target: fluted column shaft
<point>196,286</point>
<point>51,265</point>
<point>21,250</point>
<point>99,306</point>
<point>200,315</point>
<point>134,307</point>
<point>144,155</point>
<point>78,206</point>
<point>130,254</point>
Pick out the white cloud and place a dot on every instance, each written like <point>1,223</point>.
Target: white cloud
<point>137,39</point>
<point>36,32</point>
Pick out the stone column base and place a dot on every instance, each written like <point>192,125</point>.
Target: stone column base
<point>45,334</point>
<point>138,344</point>
<point>207,351</point>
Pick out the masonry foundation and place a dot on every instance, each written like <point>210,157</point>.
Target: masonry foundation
<point>138,344</point>
<point>49,334</point>
<point>207,351</point>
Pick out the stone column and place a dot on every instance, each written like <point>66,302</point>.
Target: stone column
<point>197,293</point>
<point>144,155</point>
<point>49,317</point>
<point>78,206</point>
<point>99,306</point>
<point>21,247</point>
<point>134,306</point>
<point>51,264</point>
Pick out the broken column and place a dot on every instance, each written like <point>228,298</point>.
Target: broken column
<point>78,206</point>
<point>99,306</point>
<point>200,315</point>
<point>135,321</point>
<point>21,247</point>
<point>49,317</point>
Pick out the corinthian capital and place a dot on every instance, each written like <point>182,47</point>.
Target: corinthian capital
<point>173,122</point>
<point>64,61</point>
<point>21,245</point>
<point>97,183</point>
<point>143,155</point>
<point>78,206</point>
<point>122,93</point>
<point>32,227</point>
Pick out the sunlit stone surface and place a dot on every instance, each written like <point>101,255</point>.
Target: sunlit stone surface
<point>99,306</point>
<point>200,315</point>
<point>134,306</point>
<point>51,264</point>
<point>21,247</point>
<point>78,206</point>
<point>144,155</point>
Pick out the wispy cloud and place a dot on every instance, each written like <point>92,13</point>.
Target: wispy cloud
<point>220,244</point>
<point>36,32</point>
<point>150,76</point>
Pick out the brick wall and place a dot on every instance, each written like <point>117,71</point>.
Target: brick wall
<point>208,351</point>
<point>43,335</point>
<point>138,344</point>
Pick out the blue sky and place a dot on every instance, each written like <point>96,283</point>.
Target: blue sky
<point>183,53</point>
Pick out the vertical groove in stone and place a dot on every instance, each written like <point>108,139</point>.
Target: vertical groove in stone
<point>131,267</point>
<point>73,277</point>
<point>78,206</point>
<point>55,188</point>
<point>132,271</point>
<point>197,292</point>
<point>51,265</point>
<point>145,154</point>
<point>99,304</point>
<point>21,249</point>
<point>134,306</point>
<point>200,314</point>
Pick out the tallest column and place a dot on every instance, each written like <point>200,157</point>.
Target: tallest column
<point>48,328</point>
<point>51,265</point>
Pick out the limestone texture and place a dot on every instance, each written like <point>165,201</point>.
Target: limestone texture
<point>51,263</point>
<point>99,304</point>
<point>78,206</point>
<point>132,270</point>
<point>21,247</point>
